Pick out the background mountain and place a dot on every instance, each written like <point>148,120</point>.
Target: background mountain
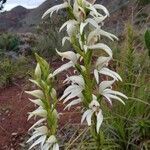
<point>21,19</point>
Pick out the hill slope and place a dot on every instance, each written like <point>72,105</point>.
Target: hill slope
<point>21,19</point>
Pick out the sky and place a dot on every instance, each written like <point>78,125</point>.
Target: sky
<point>25,3</point>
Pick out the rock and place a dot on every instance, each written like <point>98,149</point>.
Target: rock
<point>14,134</point>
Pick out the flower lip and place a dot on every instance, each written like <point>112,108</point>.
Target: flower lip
<point>68,55</point>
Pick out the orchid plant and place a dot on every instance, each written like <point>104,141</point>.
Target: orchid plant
<point>45,98</point>
<point>86,86</point>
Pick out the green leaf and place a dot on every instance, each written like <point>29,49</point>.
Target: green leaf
<point>147,40</point>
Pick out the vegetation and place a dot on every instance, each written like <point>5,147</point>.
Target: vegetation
<point>49,37</point>
<point>9,42</point>
<point>143,2</point>
<point>124,127</point>
<point>13,64</point>
<point>12,69</point>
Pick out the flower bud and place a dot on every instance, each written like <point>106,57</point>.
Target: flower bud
<point>38,71</point>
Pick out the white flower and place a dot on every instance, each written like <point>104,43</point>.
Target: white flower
<point>94,108</point>
<point>71,92</point>
<point>78,79</point>
<point>63,67</point>
<point>37,102</point>
<point>100,46</point>
<point>78,11</point>
<point>74,90</point>
<point>36,93</point>
<point>72,103</point>
<point>108,93</point>
<point>70,56</point>
<point>97,33</point>
<point>38,112</point>
<point>71,27</point>
<point>101,64</point>
<point>37,123</point>
<point>51,143</point>
<point>41,134</point>
<point>55,8</point>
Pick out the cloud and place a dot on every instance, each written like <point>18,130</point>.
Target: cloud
<point>25,3</point>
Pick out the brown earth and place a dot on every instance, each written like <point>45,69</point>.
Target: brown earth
<point>14,106</point>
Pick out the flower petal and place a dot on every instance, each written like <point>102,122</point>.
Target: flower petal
<point>110,73</point>
<point>36,93</point>
<point>68,55</point>
<point>63,67</point>
<point>101,7</point>
<point>55,8</point>
<point>74,102</point>
<point>37,123</point>
<point>115,97</point>
<point>99,120</point>
<point>105,84</point>
<point>40,140</point>
<point>96,75</point>
<point>101,46</point>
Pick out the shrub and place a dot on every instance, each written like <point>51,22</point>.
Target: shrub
<point>11,69</point>
<point>9,42</point>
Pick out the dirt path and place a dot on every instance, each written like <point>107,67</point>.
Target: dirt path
<point>14,106</point>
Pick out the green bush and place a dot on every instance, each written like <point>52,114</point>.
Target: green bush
<point>49,38</point>
<point>9,42</point>
<point>143,2</point>
<point>11,69</point>
<point>147,40</point>
<point>131,125</point>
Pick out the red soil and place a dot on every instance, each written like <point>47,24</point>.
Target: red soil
<point>14,106</point>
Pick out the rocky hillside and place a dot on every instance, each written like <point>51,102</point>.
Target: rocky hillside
<point>11,20</point>
<point>20,19</point>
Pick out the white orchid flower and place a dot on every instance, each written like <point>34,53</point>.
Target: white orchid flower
<point>100,46</point>
<point>39,122</point>
<point>97,33</point>
<point>36,93</point>
<point>51,143</point>
<point>75,89</point>
<point>71,27</point>
<point>78,79</point>
<point>72,103</point>
<point>56,8</point>
<point>37,102</point>
<point>101,64</point>
<point>70,92</point>
<point>105,89</point>
<point>94,108</point>
<point>78,11</point>
<point>38,112</point>
<point>70,56</point>
<point>40,134</point>
<point>63,67</point>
